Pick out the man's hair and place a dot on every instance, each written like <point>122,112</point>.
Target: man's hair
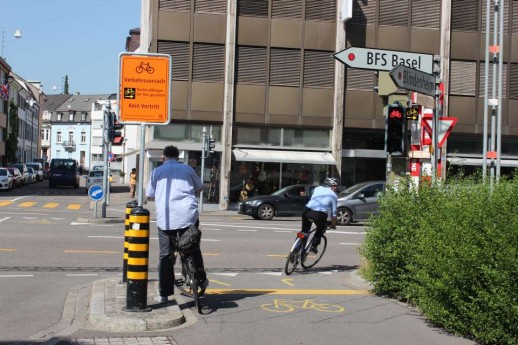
<point>171,151</point>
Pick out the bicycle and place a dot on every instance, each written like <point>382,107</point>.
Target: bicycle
<point>301,251</point>
<point>186,277</point>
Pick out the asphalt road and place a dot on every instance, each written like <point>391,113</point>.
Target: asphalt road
<point>45,254</point>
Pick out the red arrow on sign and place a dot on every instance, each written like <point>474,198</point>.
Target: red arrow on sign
<point>446,125</point>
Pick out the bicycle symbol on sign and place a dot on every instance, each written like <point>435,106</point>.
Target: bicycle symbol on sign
<point>145,66</point>
<point>287,306</point>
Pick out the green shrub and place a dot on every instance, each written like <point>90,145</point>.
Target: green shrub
<point>451,250</point>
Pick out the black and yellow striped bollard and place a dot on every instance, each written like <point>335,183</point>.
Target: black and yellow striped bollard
<point>129,206</point>
<point>138,259</point>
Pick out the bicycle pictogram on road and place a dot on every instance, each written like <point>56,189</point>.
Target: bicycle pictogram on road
<point>287,306</point>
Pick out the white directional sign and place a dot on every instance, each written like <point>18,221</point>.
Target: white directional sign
<point>384,60</point>
<point>413,80</point>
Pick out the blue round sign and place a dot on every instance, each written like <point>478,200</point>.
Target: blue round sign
<point>96,192</point>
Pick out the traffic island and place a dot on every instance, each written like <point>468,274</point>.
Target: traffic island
<point>108,313</point>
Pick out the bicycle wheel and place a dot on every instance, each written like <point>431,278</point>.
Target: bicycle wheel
<point>182,279</point>
<point>194,283</point>
<point>310,259</point>
<point>293,257</point>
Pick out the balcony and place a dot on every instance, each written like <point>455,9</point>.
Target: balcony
<point>45,144</point>
<point>69,145</point>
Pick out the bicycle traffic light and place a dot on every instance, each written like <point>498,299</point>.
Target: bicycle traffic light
<point>115,136</point>
<point>395,132</point>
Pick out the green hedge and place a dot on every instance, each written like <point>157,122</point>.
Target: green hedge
<point>452,251</point>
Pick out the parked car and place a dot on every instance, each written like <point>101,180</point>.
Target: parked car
<point>17,176</point>
<point>63,172</point>
<point>95,177</point>
<point>32,175</point>
<point>23,171</point>
<point>287,201</point>
<point>6,179</point>
<point>38,169</point>
<point>359,202</point>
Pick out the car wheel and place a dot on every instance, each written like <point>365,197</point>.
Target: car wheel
<point>344,216</point>
<point>266,212</point>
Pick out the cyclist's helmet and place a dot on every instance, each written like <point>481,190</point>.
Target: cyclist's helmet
<point>330,182</point>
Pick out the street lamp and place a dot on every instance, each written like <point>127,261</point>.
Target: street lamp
<point>17,34</point>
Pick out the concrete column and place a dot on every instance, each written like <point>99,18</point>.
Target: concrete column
<point>445,49</point>
<point>228,104</point>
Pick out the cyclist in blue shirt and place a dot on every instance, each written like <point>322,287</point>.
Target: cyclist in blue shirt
<point>322,203</point>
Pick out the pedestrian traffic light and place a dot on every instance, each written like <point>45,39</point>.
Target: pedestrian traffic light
<point>395,136</point>
<point>212,145</point>
<point>116,137</point>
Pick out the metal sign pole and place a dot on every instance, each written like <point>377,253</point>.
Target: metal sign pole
<point>140,181</point>
<point>203,154</point>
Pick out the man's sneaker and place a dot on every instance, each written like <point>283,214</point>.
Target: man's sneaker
<point>203,285</point>
<point>163,299</point>
<point>314,249</point>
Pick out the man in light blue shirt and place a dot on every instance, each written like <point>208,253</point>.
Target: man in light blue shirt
<point>323,202</point>
<point>173,186</point>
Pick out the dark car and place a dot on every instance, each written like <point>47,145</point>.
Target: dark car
<point>63,172</point>
<point>286,202</point>
<point>359,201</point>
<point>17,176</point>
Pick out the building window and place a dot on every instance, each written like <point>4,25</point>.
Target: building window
<point>180,54</point>
<point>58,137</point>
<point>251,65</point>
<point>83,116</point>
<point>210,6</point>
<point>285,67</point>
<point>71,116</point>
<point>286,9</point>
<point>322,10</point>
<point>175,5</point>
<point>359,79</point>
<point>513,87</point>
<point>490,79</point>
<point>213,71</point>
<point>318,69</point>
<point>394,12</point>
<point>426,14</point>
<point>71,137</point>
<point>58,153</point>
<point>253,8</point>
<point>60,116</point>
<point>463,75</point>
<point>83,137</point>
<point>464,15</point>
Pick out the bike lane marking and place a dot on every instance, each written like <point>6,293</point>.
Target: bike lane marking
<point>286,292</point>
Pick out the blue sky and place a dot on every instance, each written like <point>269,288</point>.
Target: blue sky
<point>81,39</point>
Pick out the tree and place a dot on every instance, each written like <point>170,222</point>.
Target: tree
<point>65,85</point>
<point>11,145</point>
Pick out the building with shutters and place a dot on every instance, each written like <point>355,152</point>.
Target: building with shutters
<point>260,77</point>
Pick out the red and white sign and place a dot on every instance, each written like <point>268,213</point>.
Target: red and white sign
<point>446,125</point>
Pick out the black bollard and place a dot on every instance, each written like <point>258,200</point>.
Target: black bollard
<point>129,206</point>
<point>138,258</point>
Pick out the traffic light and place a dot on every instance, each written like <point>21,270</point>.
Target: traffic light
<point>396,130</point>
<point>116,137</point>
<point>211,146</point>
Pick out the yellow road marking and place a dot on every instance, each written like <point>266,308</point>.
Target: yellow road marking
<point>288,281</point>
<point>218,282</point>
<point>210,254</point>
<point>285,292</point>
<point>7,250</point>
<point>27,204</point>
<point>92,251</point>
<point>278,255</point>
<point>51,205</point>
<point>74,207</point>
<point>5,203</point>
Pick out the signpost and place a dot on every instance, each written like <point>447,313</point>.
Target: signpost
<point>414,80</point>
<point>96,193</point>
<point>144,97</point>
<point>444,128</point>
<point>384,60</point>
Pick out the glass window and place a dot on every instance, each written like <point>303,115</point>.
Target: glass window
<point>83,116</point>
<point>58,137</point>
<point>307,138</point>
<point>83,137</point>
<point>71,116</point>
<point>60,116</point>
<point>71,136</point>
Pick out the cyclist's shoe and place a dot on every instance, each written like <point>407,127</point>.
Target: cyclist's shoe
<point>314,249</point>
<point>163,299</point>
<point>203,285</point>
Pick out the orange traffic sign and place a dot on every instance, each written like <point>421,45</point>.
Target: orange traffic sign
<point>144,88</point>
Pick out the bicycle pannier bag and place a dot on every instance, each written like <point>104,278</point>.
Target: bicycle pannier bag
<point>190,238</point>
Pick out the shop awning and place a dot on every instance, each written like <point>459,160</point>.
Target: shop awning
<point>274,156</point>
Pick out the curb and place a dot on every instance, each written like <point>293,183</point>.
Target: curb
<point>107,312</point>
<point>107,220</point>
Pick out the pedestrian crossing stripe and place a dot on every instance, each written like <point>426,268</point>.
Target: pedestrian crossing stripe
<point>47,205</point>
<point>27,204</point>
<point>74,207</point>
<point>5,203</point>
<point>51,205</point>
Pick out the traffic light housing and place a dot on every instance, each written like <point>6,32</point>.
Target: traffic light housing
<point>211,146</point>
<point>116,137</point>
<point>396,129</point>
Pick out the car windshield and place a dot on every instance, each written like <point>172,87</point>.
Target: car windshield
<point>31,170</point>
<point>352,189</point>
<point>282,190</point>
<point>96,173</point>
<point>34,166</point>
<point>3,172</point>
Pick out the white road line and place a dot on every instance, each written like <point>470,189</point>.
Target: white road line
<point>30,217</point>
<point>209,240</point>
<point>16,275</point>
<point>5,218</point>
<point>347,232</point>
<point>15,199</point>
<point>82,275</point>
<point>283,230</point>
<point>243,230</point>
<point>225,274</point>
<point>76,223</point>
<point>240,226</point>
<point>352,244</point>
<point>25,213</point>
<point>271,273</point>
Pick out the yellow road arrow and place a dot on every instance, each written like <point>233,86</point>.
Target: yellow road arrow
<point>288,281</point>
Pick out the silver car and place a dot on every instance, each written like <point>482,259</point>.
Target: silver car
<point>6,179</point>
<point>359,202</point>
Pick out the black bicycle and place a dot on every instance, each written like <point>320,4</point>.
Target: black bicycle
<point>186,277</point>
<point>301,251</point>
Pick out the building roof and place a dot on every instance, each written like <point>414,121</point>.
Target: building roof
<point>81,102</point>
<point>52,102</point>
